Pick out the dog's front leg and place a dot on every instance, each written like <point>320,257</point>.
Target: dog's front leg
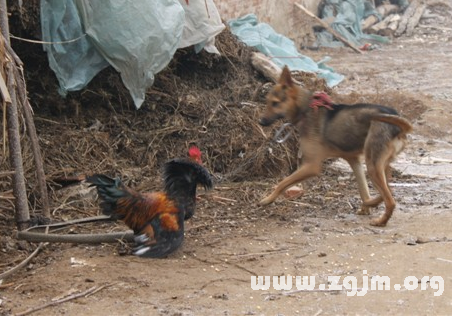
<point>363,188</point>
<point>308,169</point>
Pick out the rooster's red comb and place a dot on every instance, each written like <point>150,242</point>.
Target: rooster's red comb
<point>194,151</point>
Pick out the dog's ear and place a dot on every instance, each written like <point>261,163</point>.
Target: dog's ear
<point>285,79</point>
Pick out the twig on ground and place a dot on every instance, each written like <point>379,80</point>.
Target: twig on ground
<point>308,205</point>
<point>6,285</point>
<point>216,262</point>
<point>24,262</point>
<point>318,290</point>
<point>86,293</point>
<point>444,260</point>
<point>6,173</point>
<point>222,279</point>
<point>104,218</point>
<point>223,199</point>
<point>276,251</point>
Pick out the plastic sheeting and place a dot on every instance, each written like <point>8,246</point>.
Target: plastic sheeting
<point>347,22</point>
<point>74,63</point>
<point>202,23</point>
<point>138,38</point>
<point>281,49</point>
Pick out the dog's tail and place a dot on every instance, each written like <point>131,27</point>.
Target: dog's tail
<point>401,122</point>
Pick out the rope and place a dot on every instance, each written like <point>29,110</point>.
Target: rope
<point>44,42</point>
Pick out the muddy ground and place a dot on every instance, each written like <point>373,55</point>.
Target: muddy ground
<point>231,239</point>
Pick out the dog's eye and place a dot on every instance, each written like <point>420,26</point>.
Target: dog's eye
<point>274,103</point>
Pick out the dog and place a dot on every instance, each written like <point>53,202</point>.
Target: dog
<point>327,130</point>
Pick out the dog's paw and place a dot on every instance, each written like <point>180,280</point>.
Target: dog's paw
<point>364,210</point>
<point>293,192</point>
<point>378,222</point>
<point>373,202</point>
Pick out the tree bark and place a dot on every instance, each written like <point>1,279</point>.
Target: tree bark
<point>15,150</point>
<point>15,154</point>
<point>16,72</point>
<point>31,129</point>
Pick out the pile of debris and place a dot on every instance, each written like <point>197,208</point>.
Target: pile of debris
<point>359,24</point>
<point>397,21</point>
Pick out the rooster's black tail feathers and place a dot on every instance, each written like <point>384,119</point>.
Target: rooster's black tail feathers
<point>110,190</point>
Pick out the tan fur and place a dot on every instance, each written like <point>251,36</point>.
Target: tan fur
<point>350,134</point>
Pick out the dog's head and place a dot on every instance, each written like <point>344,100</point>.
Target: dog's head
<point>286,100</point>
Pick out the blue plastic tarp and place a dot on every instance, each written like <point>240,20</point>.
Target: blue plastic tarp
<point>348,15</point>
<point>138,38</point>
<point>74,63</point>
<point>279,48</point>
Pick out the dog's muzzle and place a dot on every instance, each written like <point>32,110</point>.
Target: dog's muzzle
<point>265,121</point>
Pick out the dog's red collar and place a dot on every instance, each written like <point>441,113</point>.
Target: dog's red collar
<point>321,99</point>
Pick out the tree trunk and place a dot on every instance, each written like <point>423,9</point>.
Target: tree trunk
<point>15,149</point>
<point>15,154</point>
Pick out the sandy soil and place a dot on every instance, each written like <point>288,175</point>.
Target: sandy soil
<point>318,234</point>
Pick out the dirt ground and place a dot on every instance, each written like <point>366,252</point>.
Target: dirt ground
<point>230,239</point>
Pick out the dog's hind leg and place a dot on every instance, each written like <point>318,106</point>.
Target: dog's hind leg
<point>358,171</point>
<point>307,170</point>
<point>378,176</point>
<point>373,202</point>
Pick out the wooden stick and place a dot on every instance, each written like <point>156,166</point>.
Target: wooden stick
<point>15,150</point>
<point>4,90</point>
<point>369,21</point>
<point>86,293</point>
<point>268,68</point>
<point>97,218</point>
<point>384,10</point>
<point>215,197</point>
<point>329,29</point>
<point>24,262</point>
<point>318,291</point>
<point>21,92</point>
<point>40,174</point>
<point>15,153</point>
<point>409,11</point>
<point>276,251</point>
<point>6,173</point>
<point>444,260</point>
<point>414,20</point>
<point>384,24</point>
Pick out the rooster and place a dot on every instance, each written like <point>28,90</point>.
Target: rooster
<point>156,218</point>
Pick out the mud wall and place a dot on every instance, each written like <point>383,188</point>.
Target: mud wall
<point>283,16</point>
